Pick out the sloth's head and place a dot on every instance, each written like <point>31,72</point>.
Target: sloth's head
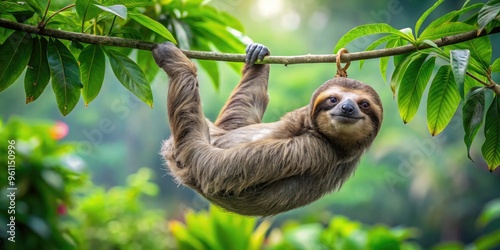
<point>346,110</point>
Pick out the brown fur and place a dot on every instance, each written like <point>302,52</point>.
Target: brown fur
<point>254,168</point>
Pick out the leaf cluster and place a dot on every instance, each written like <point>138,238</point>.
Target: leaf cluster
<point>75,69</point>
<point>45,175</point>
<point>217,229</point>
<point>464,74</point>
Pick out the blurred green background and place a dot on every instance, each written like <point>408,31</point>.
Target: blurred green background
<point>407,178</point>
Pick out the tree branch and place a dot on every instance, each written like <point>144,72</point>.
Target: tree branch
<point>229,57</point>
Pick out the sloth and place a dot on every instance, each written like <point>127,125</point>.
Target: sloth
<point>263,169</point>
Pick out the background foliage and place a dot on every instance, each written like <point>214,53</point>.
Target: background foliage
<point>408,178</point>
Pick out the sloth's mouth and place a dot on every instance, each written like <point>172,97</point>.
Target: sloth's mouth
<point>346,119</point>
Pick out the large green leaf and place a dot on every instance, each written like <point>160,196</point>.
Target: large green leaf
<point>399,71</point>
<point>374,45</point>
<point>491,146</point>
<point>366,30</point>
<point>473,115</point>
<point>117,10</point>
<point>128,3</point>
<point>5,33</point>
<point>459,60</point>
<point>86,9</point>
<point>65,76</point>
<point>488,13</point>
<point>38,73</point>
<point>184,238</point>
<point>207,13</point>
<point>38,5</point>
<point>480,53</point>
<point>92,67</point>
<point>130,76</point>
<point>14,56</point>
<point>384,61</point>
<point>398,58</point>
<point>442,101</point>
<point>490,213</point>
<point>14,7</point>
<point>218,36</point>
<point>425,15</point>
<point>449,17</point>
<point>449,29</point>
<point>470,82</point>
<point>182,33</point>
<point>211,67</point>
<point>147,63</point>
<point>495,67</point>
<point>153,25</point>
<point>212,70</point>
<point>413,85</point>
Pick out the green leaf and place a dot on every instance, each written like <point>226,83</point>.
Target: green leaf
<point>449,246</point>
<point>491,146</point>
<point>14,7</point>
<point>430,43</point>
<point>117,10</point>
<point>147,63</point>
<point>211,67</point>
<point>366,30</point>
<point>399,71</point>
<point>183,237</point>
<point>480,53</point>
<point>38,5</point>
<point>398,58</point>
<point>488,241</point>
<point>218,36</point>
<point>413,85</point>
<point>128,3</point>
<point>449,29</point>
<point>14,56</point>
<point>471,82</point>
<point>38,73</point>
<point>87,9</point>
<point>425,15</point>
<point>153,25</point>
<point>92,67</point>
<point>459,61</point>
<point>488,13</point>
<point>130,76</point>
<point>374,45</point>
<point>495,67</point>
<point>65,76</point>
<point>180,31</point>
<point>442,101</point>
<point>5,33</point>
<point>384,61</point>
<point>449,17</point>
<point>473,115</point>
<point>491,212</point>
<point>409,34</point>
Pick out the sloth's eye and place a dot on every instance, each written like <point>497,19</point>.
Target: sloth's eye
<point>333,100</point>
<point>364,104</point>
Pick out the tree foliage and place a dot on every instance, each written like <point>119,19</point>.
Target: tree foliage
<point>463,77</point>
<point>78,69</point>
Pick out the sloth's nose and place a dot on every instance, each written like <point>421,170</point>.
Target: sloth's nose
<point>347,109</point>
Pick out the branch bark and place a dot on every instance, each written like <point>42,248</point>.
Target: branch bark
<point>229,57</point>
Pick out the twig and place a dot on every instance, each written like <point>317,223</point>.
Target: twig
<point>228,57</point>
<point>42,24</point>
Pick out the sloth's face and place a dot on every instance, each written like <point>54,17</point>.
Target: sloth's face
<point>346,113</point>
